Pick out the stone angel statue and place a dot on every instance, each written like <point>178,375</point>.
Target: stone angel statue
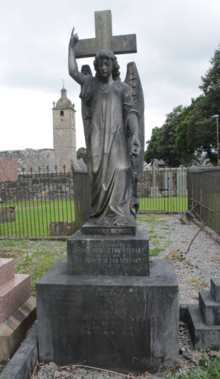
<point>113,118</point>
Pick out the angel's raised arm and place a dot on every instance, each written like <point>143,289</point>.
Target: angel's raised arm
<point>73,67</point>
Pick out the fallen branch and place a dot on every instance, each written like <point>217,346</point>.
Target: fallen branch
<point>201,229</point>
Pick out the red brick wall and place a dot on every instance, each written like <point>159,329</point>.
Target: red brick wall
<point>8,170</point>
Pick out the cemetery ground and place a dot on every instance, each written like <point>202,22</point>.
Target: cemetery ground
<point>169,239</point>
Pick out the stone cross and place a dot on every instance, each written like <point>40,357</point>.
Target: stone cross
<point>104,39</point>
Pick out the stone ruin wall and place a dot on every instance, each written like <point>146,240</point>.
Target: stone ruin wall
<point>30,158</point>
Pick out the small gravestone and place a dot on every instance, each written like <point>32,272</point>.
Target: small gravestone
<point>167,183</point>
<point>154,191</point>
<point>17,308</point>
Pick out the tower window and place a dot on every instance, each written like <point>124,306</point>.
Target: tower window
<point>61,113</point>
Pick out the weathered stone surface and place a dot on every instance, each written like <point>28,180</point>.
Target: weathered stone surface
<point>7,214</point>
<point>13,294</point>
<point>93,229</point>
<point>104,40</point>
<point>120,323</point>
<point>209,309</point>
<point>186,217</point>
<point>109,255</point>
<point>202,334</point>
<point>215,289</point>
<point>62,228</point>
<point>22,364</point>
<point>7,268</point>
<point>14,329</point>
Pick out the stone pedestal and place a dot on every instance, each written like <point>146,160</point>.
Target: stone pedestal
<point>204,318</point>
<point>108,306</point>
<point>17,308</point>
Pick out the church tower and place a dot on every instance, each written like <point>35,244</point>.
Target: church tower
<point>64,131</point>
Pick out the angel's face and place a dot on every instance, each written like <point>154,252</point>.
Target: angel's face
<point>105,67</point>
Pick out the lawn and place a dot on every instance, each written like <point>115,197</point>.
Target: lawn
<point>33,218</point>
<point>166,203</point>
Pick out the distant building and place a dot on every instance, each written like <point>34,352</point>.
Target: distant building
<point>64,131</point>
<point>64,141</point>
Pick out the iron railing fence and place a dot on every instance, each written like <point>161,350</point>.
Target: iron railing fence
<point>34,201</point>
<point>204,187</point>
<point>163,189</point>
<point>29,206</point>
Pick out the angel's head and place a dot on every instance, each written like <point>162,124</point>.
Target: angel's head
<point>105,64</point>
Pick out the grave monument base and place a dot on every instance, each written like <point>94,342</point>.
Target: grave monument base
<point>122,323</point>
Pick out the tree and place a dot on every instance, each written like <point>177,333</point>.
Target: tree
<point>152,151</point>
<point>201,127</point>
<point>169,153</point>
<point>82,153</point>
<point>182,144</point>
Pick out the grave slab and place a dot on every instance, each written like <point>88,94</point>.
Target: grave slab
<point>7,270</point>
<point>13,330</point>
<point>202,334</point>
<point>122,323</point>
<point>92,255</point>
<point>215,289</point>
<point>22,364</point>
<point>14,293</point>
<point>209,308</point>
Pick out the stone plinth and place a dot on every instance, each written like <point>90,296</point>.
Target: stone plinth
<point>209,309</point>
<point>13,330</point>
<point>204,318</point>
<point>105,230</point>
<point>14,293</point>
<point>124,255</point>
<point>123,323</point>
<point>215,289</point>
<point>7,270</point>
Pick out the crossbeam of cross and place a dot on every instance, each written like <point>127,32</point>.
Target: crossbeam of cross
<point>104,39</point>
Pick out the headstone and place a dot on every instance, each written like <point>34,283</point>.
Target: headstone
<point>154,191</point>
<point>107,305</point>
<point>17,308</point>
<point>181,183</point>
<point>167,183</point>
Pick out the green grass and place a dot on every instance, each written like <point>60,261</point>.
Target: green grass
<point>33,218</point>
<point>168,204</point>
<point>31,257</point>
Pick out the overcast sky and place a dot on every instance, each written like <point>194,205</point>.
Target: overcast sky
<point>175,40</point>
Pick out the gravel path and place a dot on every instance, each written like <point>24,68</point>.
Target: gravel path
<point>193,269</point>
<point>170,238</point>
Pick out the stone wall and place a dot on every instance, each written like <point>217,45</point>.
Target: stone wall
<point>38,187</point>
<point>30,158</point>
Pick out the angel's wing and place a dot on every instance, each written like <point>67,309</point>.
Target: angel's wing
<point>86,116</point>
<point>133,80</point>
